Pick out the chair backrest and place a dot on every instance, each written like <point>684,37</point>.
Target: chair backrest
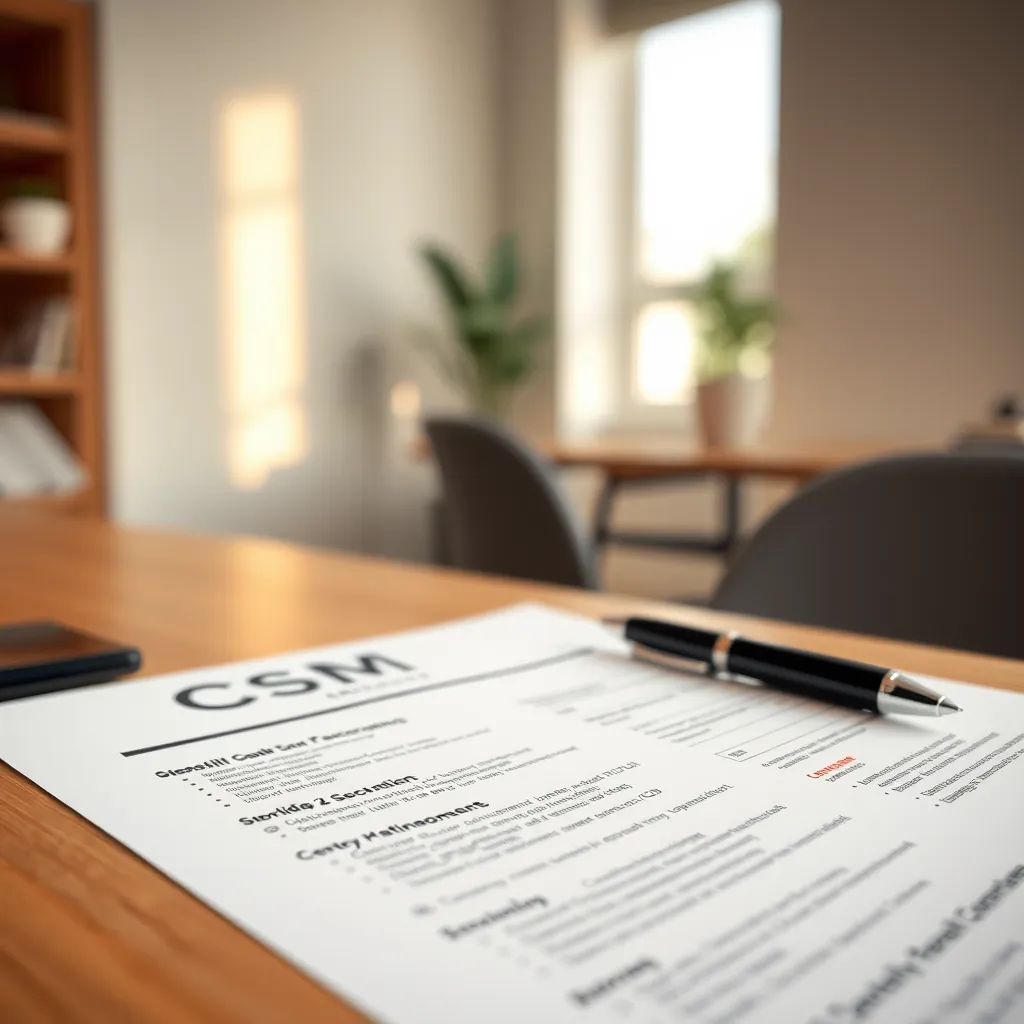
<point>925,548</point>
<point>504,510</point>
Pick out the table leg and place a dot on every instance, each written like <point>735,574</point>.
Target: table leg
<point>603,510</point>
<point>723,541</point>
<point>732,514</point>
<point>603,516</point>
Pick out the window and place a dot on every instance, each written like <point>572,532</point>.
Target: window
<point>706,142</point>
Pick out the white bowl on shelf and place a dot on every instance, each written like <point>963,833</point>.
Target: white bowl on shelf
<point>36,225</point>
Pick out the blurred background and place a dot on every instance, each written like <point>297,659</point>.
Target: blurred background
<point>250,244</point>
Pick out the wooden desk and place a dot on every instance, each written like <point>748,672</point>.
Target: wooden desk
<point>626,461</point>
<point>89,932</point>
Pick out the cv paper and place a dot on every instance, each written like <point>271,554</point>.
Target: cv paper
<point>506,820</point>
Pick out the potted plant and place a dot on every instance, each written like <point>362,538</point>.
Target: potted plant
<point>495,350</point>
<point>35,219</point>
<point>736,333</point>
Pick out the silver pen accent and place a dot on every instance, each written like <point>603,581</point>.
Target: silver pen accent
<point>720,652</point>
<point>900,695</point>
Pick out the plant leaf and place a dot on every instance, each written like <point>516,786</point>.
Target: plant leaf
<point>491,354</point>
<point>529,333</point>
<point>730,321</point>
<point>482,318</point>
<point>503,271</point>
<point>451,279</point>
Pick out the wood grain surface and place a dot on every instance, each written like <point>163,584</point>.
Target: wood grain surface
<point>88,931</point>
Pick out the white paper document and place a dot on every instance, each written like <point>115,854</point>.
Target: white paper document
<point>506,819</point>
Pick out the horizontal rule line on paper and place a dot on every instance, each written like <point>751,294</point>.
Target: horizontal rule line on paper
<point>496,674</point>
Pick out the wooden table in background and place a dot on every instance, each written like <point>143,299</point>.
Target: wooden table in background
<point>90,932</point>
<point>629,461</point>
<point>658,456</point>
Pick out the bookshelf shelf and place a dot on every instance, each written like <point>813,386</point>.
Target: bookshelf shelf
<point>18,137</point>
<point>12,262</point>
<point>66,500</point>
<point>28,384</point>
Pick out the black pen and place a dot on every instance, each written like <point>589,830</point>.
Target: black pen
<point>850,683</point>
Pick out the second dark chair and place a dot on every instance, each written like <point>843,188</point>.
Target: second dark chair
<point>925,548</point>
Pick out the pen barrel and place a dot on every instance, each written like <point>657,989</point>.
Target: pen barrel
<point>835,680</point>
<point>676,641</point>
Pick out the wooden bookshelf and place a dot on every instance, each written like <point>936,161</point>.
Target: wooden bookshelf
<point>19,263</point>
<point>46,503</point>
<point>18,138</point>
<point>47,130</point>
<point>28,384</point>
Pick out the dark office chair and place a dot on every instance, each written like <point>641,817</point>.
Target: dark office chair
<point>925,548</point>
<point>503,510</point>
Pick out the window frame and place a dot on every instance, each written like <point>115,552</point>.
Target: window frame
<point>632,412</point>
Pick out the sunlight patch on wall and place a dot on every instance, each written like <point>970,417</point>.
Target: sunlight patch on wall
<point>263,288</point>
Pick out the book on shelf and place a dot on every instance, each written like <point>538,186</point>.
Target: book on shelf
<point>28,119</point>
<point>42,340</point>
<point>34,457</point>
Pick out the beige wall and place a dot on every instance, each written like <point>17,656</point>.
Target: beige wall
<point>901,237</point>
<point>899,246</point>
<point>396,102</point>
<point>901,213</point>
<point>526,124</point>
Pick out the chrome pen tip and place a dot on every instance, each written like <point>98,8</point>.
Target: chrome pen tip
<point>901,695</point>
